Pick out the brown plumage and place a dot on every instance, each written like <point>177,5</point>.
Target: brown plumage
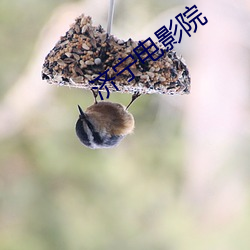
<point>112,118</point>
<point>104,124</point>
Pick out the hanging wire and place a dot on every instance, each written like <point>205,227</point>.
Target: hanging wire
<point>110,16</point>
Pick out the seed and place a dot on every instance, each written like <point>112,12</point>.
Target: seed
<point>68,54</point>
<point>136,72</point>
<point>98,61</point>
<point>78,70</point>
<point>120,41</point>
<point>69,60</point>
<point>145,77</point>
<point>85,46</point>
<point>61,62</point>
<point>150,74</point>
<point>77,57</point>
<point>84,28</point>
<point>77,29</point>
<point>88,62</point>
<point>88,77</point>
<point>77,79</point>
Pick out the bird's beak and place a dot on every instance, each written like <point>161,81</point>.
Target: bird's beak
<point>82,115</point>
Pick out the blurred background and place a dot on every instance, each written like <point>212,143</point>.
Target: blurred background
<point>180,182</point>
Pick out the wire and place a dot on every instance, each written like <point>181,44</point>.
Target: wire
<point>110,15</point>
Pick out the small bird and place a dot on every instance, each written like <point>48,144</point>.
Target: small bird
<point>104,124</point>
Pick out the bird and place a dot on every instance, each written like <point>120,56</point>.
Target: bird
<point>104,124</point>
